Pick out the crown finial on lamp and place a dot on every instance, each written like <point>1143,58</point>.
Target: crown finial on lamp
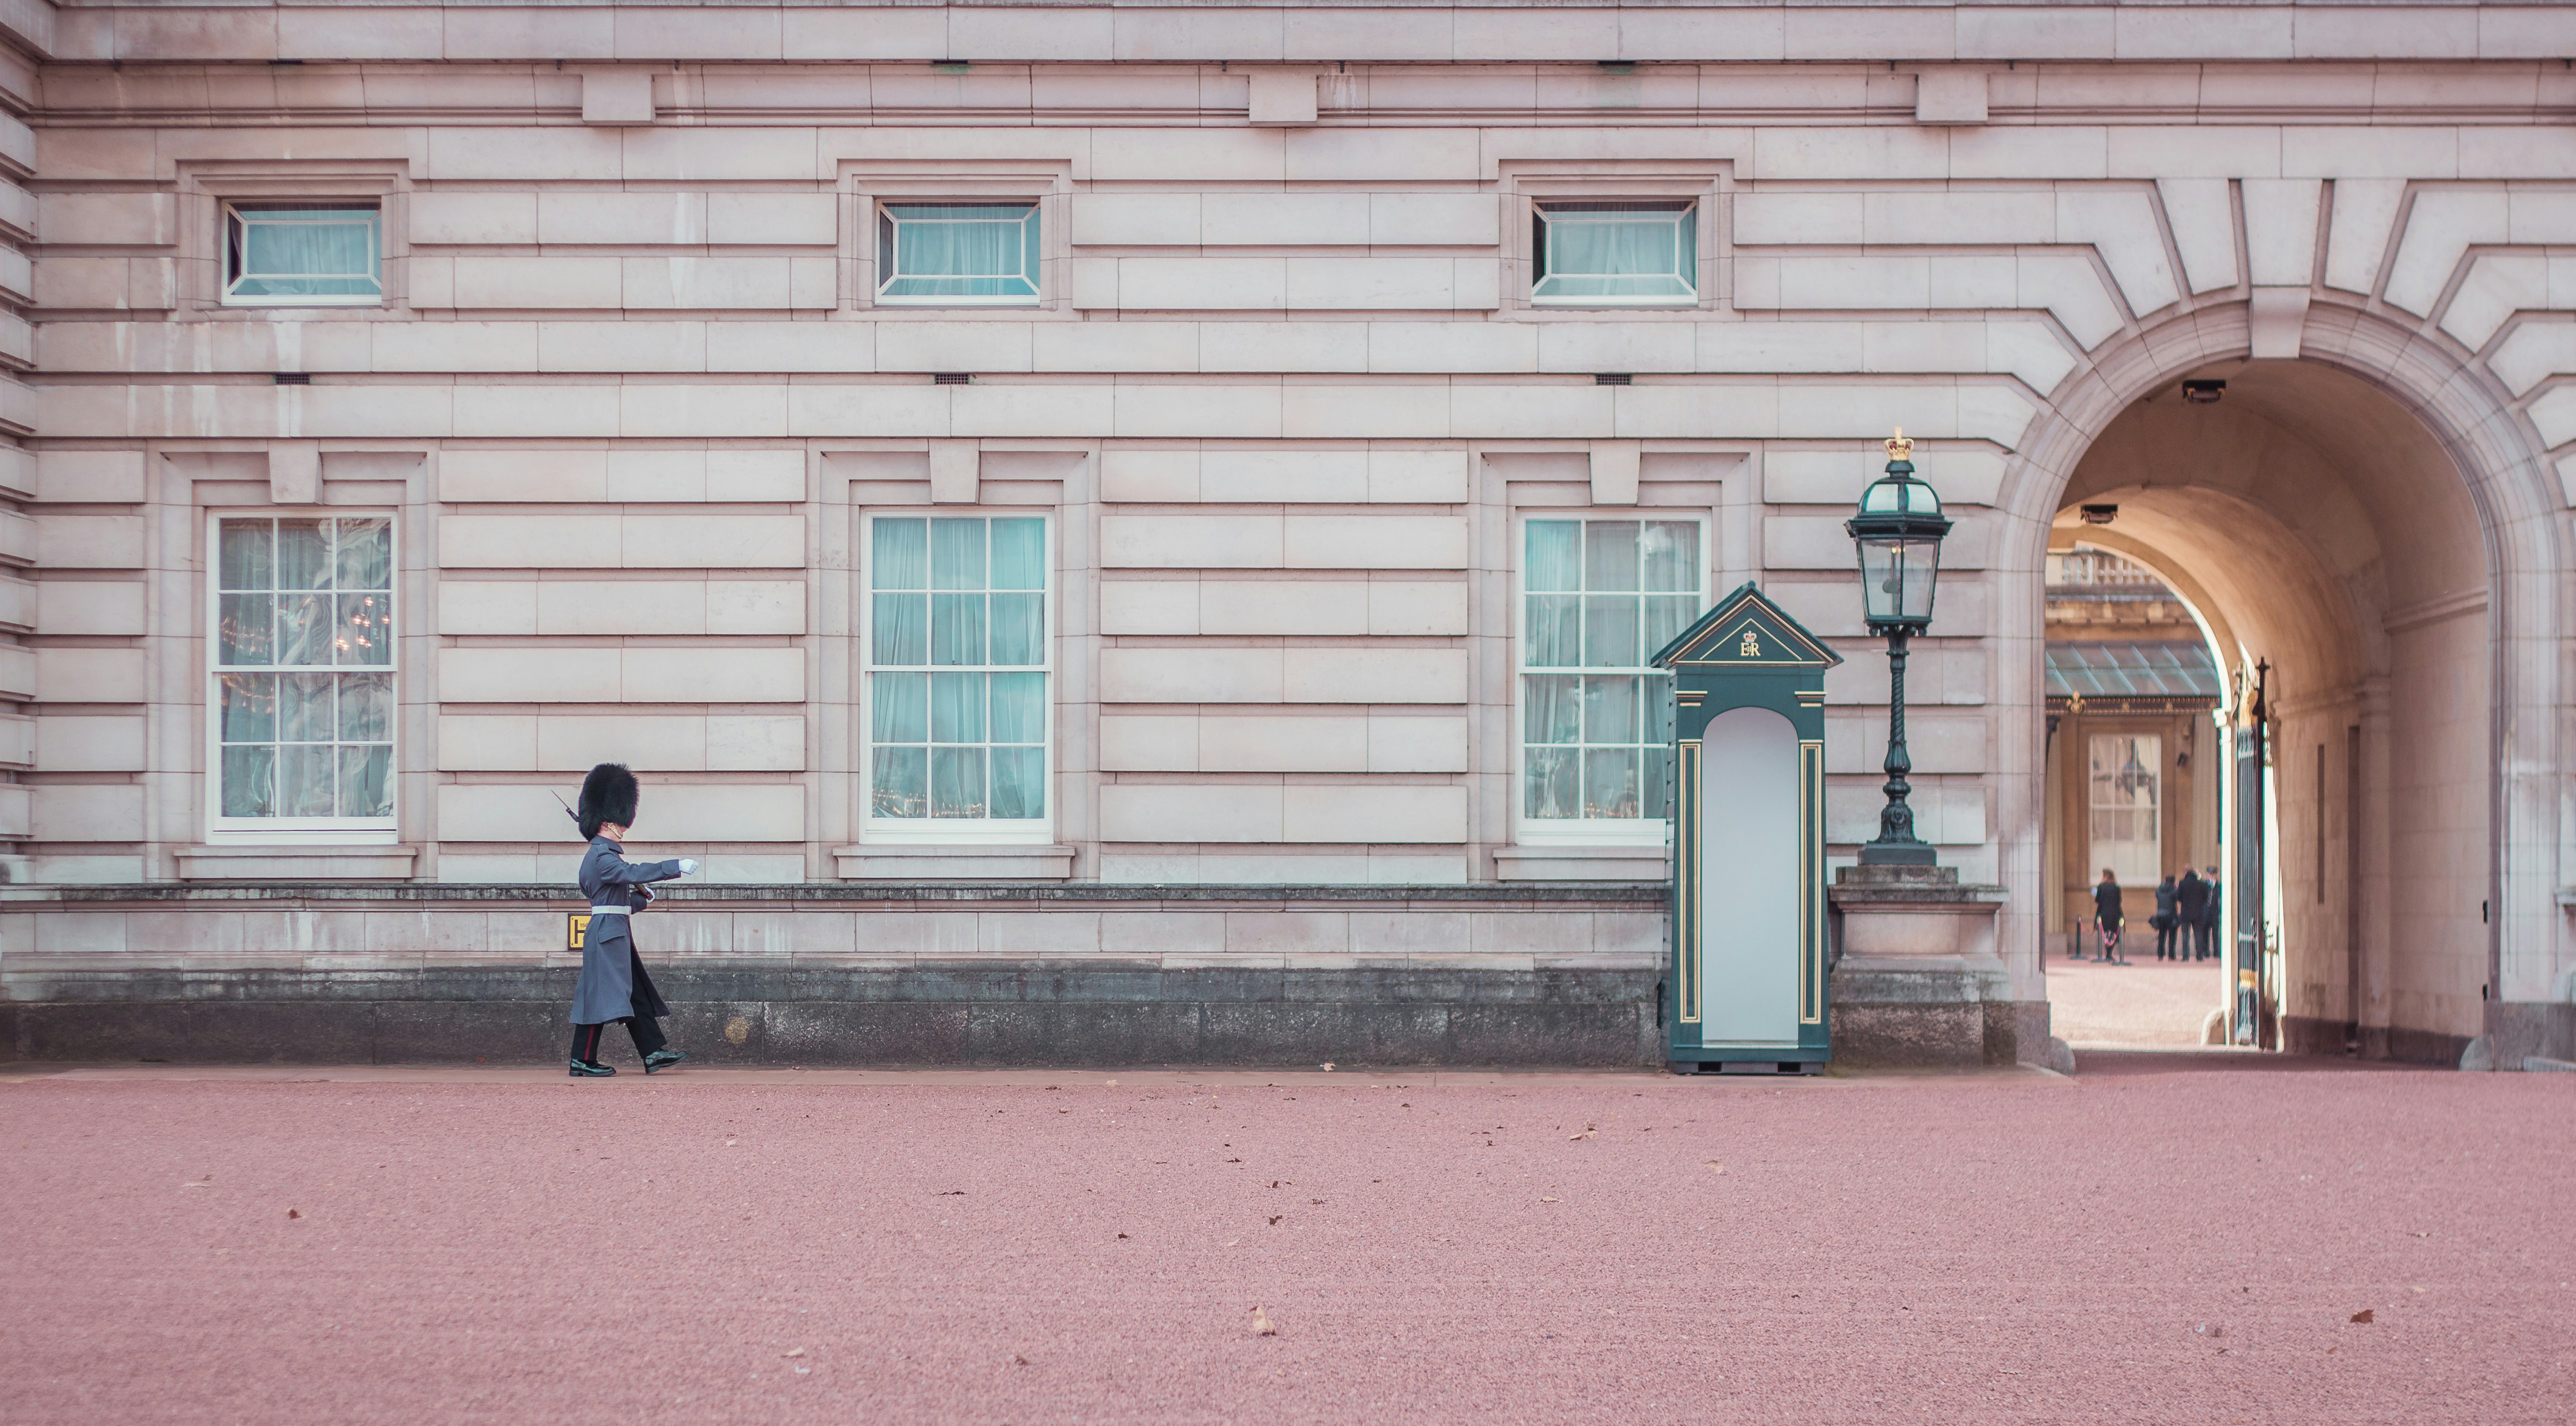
<point>1898,447</point>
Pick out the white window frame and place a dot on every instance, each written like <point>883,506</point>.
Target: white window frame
<point>955,831</point>
<point>237,213</point>
<point>272,831</point>
<point>1582,831</point>
<point>887,274</point>
<point>1679,208</point>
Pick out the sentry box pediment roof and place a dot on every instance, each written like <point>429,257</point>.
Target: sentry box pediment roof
<point>1744,631</point>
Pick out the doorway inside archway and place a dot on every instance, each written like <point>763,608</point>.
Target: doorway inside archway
<point>2269,653</point>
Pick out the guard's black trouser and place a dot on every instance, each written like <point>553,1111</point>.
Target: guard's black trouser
<point>2202,933</point>
<point>2165,939</point>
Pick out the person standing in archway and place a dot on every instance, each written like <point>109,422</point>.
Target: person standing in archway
<point>2165,918</point>
<point>2212,909</point>
<point>2107,917</point>
<point>2191,909</point>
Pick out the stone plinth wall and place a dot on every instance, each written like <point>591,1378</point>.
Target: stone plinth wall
<point>828,975</point>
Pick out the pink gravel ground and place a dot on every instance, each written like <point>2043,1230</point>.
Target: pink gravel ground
<point>2154,1240</point>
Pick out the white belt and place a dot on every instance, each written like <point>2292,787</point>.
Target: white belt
<point>609,911</point>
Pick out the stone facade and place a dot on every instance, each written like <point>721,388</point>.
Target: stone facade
<point>1283,401</point>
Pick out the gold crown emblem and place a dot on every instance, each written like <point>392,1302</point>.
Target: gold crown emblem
<point>1898,447</point>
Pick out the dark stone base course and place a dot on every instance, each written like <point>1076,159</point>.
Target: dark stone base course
<point>980,1014</point>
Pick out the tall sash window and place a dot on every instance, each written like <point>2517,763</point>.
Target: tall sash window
<point>1598,599</point>
<point>303,680</point>
<point>959,713</point>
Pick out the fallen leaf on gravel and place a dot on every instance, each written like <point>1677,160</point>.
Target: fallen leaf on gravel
<point>2413,1234</point>
<point>1314,1200</point>
<point>1234,1161</point>
<point>2207,1330</point>
<point>1122,1235</point>
<point>291,1213</point>
<point>950,1193</point>
<point>1721,1168</point>
<point>2364,1315</point>
<point>1230,1242</point>
<point>1586,1134</point>
<point>1275,1217</point>
<point>1328,1066</point>
<point>1551,1200</point>
<point>1262,1325</point>
<point>793,1352</point>
<point>1018,1361</point>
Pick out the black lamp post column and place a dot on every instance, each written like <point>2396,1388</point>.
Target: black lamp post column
<point>1896,819</point>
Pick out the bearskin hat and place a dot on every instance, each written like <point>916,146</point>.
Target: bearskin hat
<point>607,796</point>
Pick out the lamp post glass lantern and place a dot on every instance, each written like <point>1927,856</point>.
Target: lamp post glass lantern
<point>1898,531</point>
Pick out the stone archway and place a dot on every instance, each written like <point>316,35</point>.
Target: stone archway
<point>2373,519</point>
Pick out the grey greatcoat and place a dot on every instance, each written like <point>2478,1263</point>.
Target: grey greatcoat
<point>613,985</point>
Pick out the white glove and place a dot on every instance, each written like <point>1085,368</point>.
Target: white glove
<point>688,866</point>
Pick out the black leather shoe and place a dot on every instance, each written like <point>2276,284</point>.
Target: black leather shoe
<point>661,1060</point>
<point>591,1069</point>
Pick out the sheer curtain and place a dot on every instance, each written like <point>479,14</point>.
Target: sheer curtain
<point>1604,255</point>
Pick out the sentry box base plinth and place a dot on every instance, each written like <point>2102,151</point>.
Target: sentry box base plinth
<point>1767,1060</point>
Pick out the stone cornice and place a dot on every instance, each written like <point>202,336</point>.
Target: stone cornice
<point>1376,32</point>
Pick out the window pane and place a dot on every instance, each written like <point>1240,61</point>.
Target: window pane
<point>303,554</point>
<point>1555,632</point>
<point>1666,616</point>
<point>1552,711</point>
<point>1658,697</point>
<point>1019,634</point>
<point>1671,550</point>
<point>1019,707</point>
<point>1019,554</point>
<point>1019,782</point>
<point>957,554</point>
<point>1555,555</point>
<point>956,707</point>
<point>304,629</point>
<point>366,629</point>
<point>1610,555</point>
<point>899,783</point>
<point>304,780</point>
<point>250,781</point>
<point>1610,710</point>
<point>366,551</point>
<point>245,560</point>
<point>1609,782</point>
<point>957,628</point>
<point>899,556</point>
<point>249,712</point>
<point>899,707</point>
<point>245,628</point>
<point>1655,783</point>
<point>1549,777</point>
<point>307,711</point>
<point>291,252</point>
<point>367,707</point>
<point>366,782</point>
<point>1609,632</point>
<point>900,629</point>
<point>956,782</point>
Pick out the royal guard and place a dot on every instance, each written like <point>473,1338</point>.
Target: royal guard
<point>613,985</point>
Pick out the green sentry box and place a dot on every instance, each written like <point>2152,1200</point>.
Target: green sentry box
<point>1747,975</point>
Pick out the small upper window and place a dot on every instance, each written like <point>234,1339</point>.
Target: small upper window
<point>945,253</point>
<point>1616,254</point>
<point>303,255</point>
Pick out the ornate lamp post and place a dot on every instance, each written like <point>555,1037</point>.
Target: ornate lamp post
<point>1898,530</point>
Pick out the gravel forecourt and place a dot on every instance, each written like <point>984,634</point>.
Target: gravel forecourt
<point>2161,1238</point>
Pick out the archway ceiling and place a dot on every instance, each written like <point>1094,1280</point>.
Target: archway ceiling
<point>2307,504</point>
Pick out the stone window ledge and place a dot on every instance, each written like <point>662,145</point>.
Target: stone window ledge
<point>297,862</point>
<point>1577,862</point>
<point>935,862</point>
